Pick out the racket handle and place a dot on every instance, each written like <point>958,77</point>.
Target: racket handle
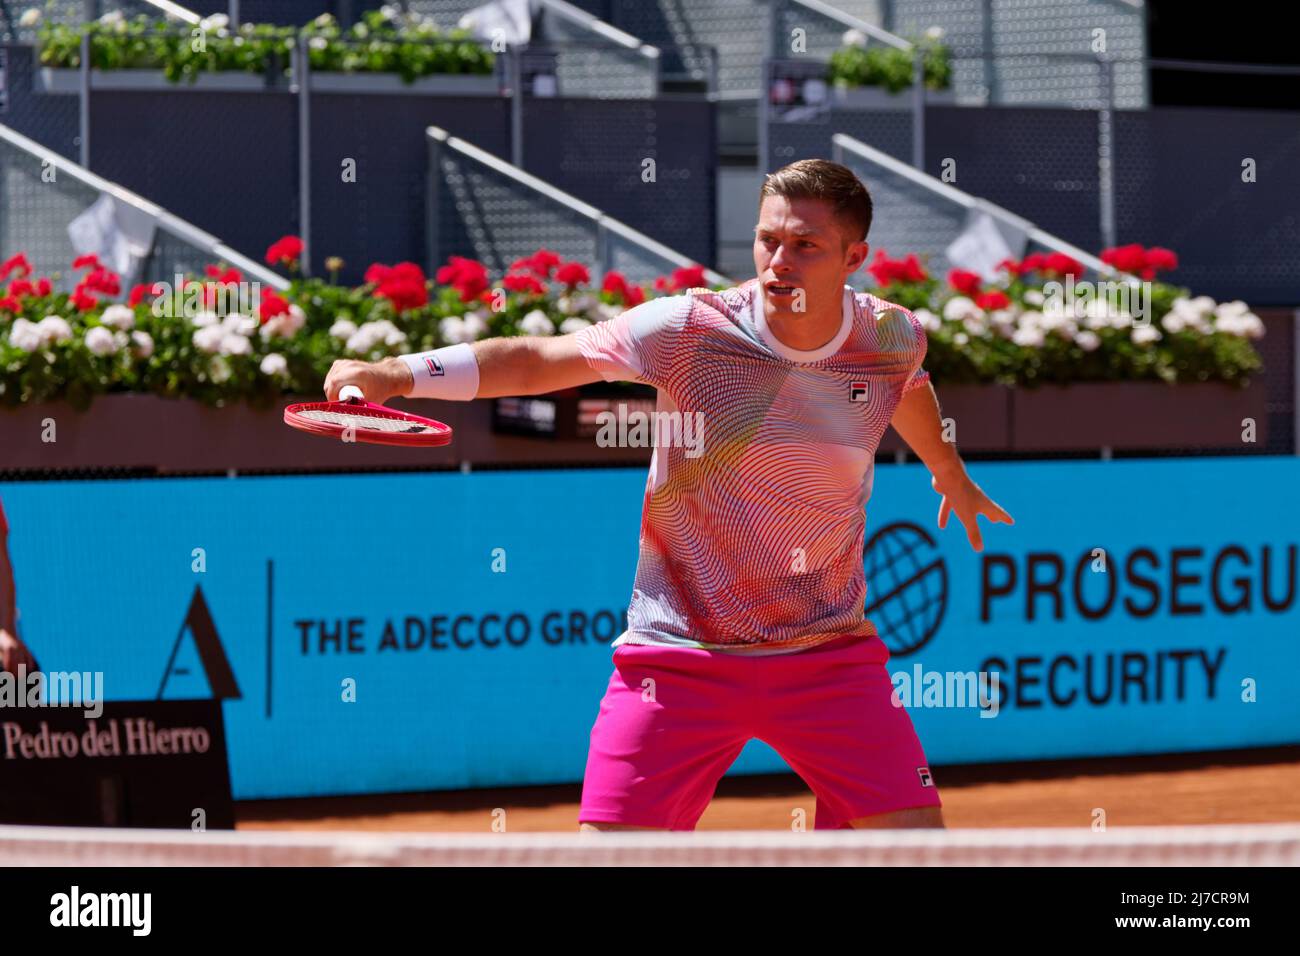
<point>349,392</point>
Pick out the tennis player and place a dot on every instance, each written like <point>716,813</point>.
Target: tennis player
<point>746,618</point>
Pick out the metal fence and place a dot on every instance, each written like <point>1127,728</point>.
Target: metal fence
<point>41,193</point>
<point>484,208</point>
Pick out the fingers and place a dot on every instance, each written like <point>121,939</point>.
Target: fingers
<point>944,510</point>
<point>972,526</point>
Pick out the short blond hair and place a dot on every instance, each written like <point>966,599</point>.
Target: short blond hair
<point>827,181</point>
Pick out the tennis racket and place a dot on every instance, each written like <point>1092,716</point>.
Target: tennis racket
<point>352,418</point>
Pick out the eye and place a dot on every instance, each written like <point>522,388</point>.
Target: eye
<point>805,242</point>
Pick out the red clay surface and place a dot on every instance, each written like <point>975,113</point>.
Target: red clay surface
<point>1248,786</point>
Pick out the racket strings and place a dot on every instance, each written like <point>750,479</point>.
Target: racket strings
<point>379,423</point>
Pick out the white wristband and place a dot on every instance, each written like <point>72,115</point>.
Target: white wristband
<point>450,373</point>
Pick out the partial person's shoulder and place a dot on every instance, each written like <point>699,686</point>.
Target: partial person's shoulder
<point>892,322</point>
<point>728,302</point>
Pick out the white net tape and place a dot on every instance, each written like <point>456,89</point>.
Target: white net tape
<point>1244,845</point>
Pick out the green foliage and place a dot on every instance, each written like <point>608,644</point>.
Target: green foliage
<point>890,67</point>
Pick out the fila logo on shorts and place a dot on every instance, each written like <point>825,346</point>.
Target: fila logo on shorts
<point>924,774</point>
<point>433,365</point>
<point>857,391</point>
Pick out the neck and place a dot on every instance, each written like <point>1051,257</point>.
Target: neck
<point>807,330</point>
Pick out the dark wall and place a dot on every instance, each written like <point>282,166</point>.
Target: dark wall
<point>53,121</point>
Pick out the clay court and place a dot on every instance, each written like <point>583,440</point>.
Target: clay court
<point>1226,787</point>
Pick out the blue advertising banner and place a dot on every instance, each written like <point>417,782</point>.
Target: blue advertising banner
<point>397,632</point>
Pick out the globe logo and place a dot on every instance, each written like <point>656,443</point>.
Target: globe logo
<point>907,586</point>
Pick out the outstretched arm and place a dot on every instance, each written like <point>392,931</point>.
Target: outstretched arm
<point>918,423</point>
<point>517,365</point>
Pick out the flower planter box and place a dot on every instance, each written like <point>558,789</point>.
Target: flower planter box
<point>446,84</point>
<point>981,414</point>
<point>68,82</point>
<point>878,98</point>
<point>1137,416</point>
<point>169,436</point>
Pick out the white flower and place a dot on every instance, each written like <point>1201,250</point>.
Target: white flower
<point>1030,336</point>
<point>975,324</point>
<point>54,328</point>
<point>204,319</point>
<point>1121,320</point>
<point>142,344</point>
<point>343,329</point>
<point>216,23</point>
<point>1144,334</point>
<point>234,344</point>
<point>1088,341</point>
<point>574,324</point>
<point>100,340</point>
<point>475,324</point>
<point>1175,321</point>
<point>585,302</point>
<point>218,369</point>
<point>372,334</point>
<point>929,321</point>
<point>1236,307</point>
<point>361,31</point>
<point>237,323</point>
<point>959,307</point>
<point>324,20</point>
<point>274,364</point>
<point>934,33</point>
<point>390,11</point>
<point>604,311</point>
<point>112,18</point>
<point>1246,325</point>
<point>30,18</point>
<point>208,339</point>
<point>318,43</point>
<point>1034,297</point>
<point>536,322</point>
<point>285,324</point>
<point>118,317</point>
<point>452,329</point>
<point>853,38</point>
<point>25,335</point>
<point>961,338</point>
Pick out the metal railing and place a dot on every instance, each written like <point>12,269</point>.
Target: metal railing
<point>482,207</point>
<point>601,60</point>
<point>823,27</point>
<point>43,192</point>
<point>922,214</point>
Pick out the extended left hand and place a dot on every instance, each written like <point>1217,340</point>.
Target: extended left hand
<point>963,496</point>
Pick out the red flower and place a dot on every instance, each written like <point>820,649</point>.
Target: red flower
<point>540,263</point>
<point>1161,260</point>
<point>88,261</point>
<point>1061,264</point>
<point>688,277</point>
<point>286,250</point>
<point>634,296</point>
<point>1034,262</point>
<point>43,287</point>
<point>404,285</point>
<point>467,276</point>
<point>21,287</point>
<point>967,283</point>
<point>522,282</point>
<point>101,280</point>
<point>227,276</point>
<point>572,273</point>
<point>615,283</point>
<point>82,300</point>
<point>993,299</point>
<point>1010,265</point>
<point>271,306</point>
<point>138,292</point>
<point>10,304</point>
<point>661,284</point>
<point>17,261</point>
<point>886,270</point>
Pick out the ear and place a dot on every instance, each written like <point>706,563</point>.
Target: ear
<point>855,256</point>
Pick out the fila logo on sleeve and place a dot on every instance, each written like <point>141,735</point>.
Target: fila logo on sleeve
<point>857,391</point>
<point>924,774</point>
<point>433,365</point>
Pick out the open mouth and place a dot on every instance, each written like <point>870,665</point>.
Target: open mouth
<point>777,288</point>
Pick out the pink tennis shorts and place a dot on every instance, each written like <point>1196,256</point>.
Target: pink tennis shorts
<point>674,719</point>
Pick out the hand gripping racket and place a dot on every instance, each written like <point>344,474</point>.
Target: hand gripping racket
<point>365,421</point>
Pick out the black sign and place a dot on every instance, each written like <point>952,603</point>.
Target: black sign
<point>154,763</point>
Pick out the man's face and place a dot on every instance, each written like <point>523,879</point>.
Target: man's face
<point>800,255</point>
